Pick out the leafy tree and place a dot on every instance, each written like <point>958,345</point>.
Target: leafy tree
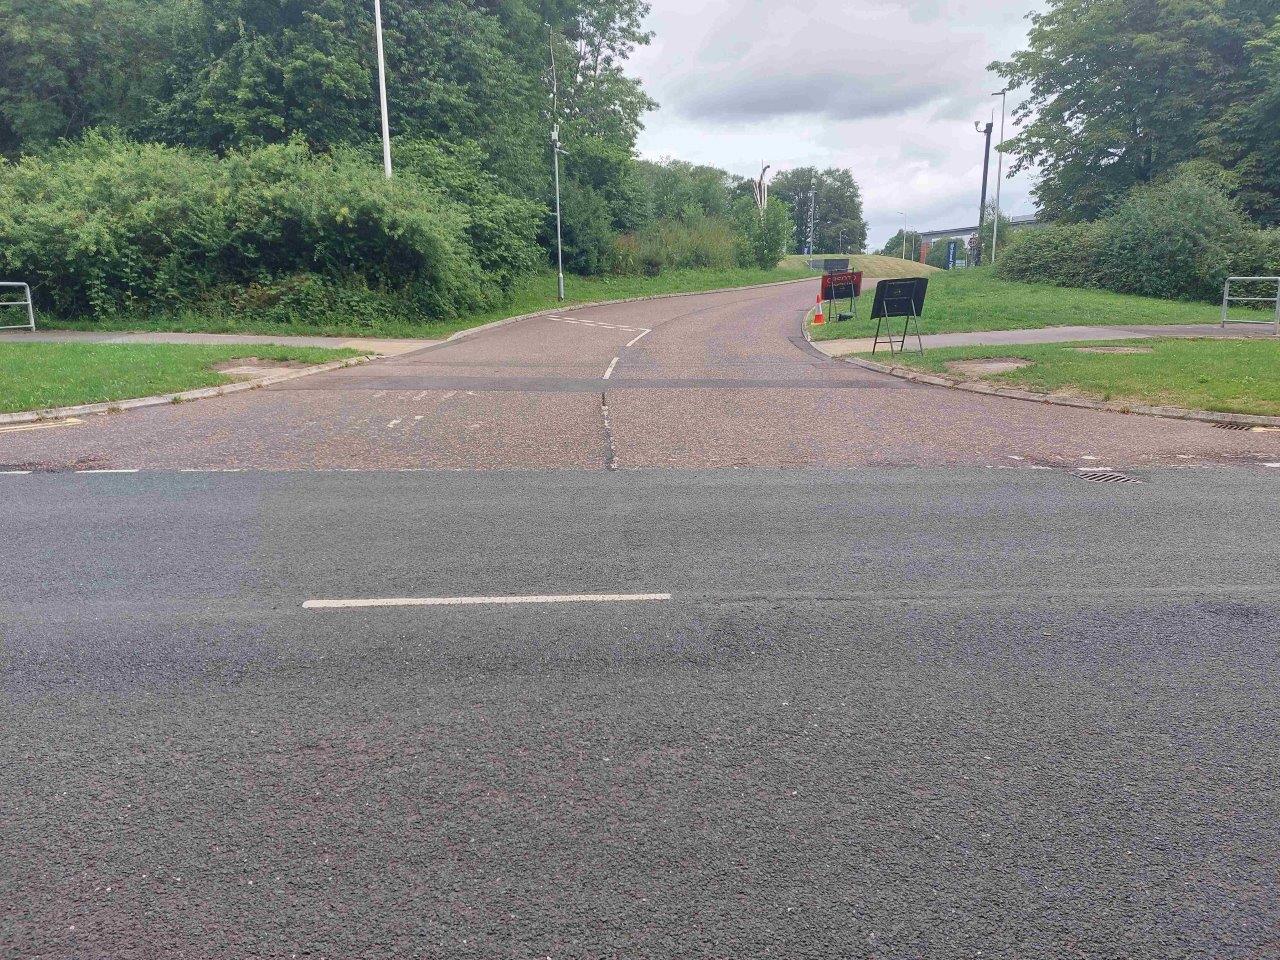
<point>1123,91</point>
<point>766,236</point>
<point>839,223</point>
<point>903,241</point>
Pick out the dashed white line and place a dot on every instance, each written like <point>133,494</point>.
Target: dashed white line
<point>393,423</point>
<point>612,366</point>
<point>106,471</point>
<point>1273,466</point>
<point>484,601</point>
<point>15,473</point>
<point>639,338</point>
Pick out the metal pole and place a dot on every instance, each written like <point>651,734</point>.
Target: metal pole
<point>995,235</point>
<point>382,90</point>
<point>555,150</point>
<point>1226,300</point>
<point>986,172</point>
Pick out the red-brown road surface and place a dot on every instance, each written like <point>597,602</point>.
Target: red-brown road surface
<point>721,380</point>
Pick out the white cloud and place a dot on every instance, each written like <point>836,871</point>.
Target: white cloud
<point>887,88</point>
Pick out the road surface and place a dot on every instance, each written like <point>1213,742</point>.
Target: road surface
<point>841,711</point>
<point>719,380</point>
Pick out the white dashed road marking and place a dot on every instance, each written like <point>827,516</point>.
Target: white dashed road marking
<point>106,471</point>
<point>612,366</point>
<point>484,601</point>
<point>639,338</point>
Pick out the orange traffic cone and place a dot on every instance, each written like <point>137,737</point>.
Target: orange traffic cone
<point>818,318</point>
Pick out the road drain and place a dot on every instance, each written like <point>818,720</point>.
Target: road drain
<point>1107,476</point>
<point>1234,426</point>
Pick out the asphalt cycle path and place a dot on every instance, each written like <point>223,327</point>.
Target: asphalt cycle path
<point>712,380</point>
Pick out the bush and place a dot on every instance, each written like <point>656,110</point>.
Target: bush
<point>105,225</point>
<point>1178,239</point>
<point>1062,254</point>
<point>705,242</point>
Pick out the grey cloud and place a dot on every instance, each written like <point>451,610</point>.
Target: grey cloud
<point>831,96</point>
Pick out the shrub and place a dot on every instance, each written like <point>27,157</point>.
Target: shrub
<point>1062,254</point>
<point>1178,239</point>
<point>105,225</point>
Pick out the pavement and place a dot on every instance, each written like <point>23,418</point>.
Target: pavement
<point>386,348</point>
<point>716,380</point>
<point>646,631</point>
<point>917,713</point>
<point>991,338</point>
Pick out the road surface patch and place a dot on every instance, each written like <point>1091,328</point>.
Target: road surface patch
<point>485,601</point>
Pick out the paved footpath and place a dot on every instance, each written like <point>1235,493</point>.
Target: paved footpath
<point>715,380</point>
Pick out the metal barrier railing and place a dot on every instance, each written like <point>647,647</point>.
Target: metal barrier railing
<point>1228,298</point>
<point>31,310</point>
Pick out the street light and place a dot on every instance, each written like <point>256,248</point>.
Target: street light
<point>555,161</point>
<point>382,90</point>
<point>903,215</point>
<point>995,235</point>
<point>986,172</point>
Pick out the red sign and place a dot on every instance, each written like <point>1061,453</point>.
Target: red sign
<point>842,286</point>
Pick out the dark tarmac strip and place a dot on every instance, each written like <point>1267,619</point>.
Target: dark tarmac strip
<point>885,713</point>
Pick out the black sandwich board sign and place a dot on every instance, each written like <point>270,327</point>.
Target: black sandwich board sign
<point>898,298</point>
<point>835,265</point>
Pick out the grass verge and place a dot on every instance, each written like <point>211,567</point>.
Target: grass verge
<point>535,294</point>
<point>37,376</point>
<point>963,301</point>
<point>871,264</point>
<point>1224,376</point>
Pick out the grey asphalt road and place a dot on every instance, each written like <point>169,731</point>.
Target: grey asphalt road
<point>885,713</point>
<point>720,380</point>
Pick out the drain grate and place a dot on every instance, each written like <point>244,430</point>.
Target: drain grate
<point>1107,476</point>
<point>1233,426</point>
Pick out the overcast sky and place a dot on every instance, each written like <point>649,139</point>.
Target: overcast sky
<point>887,88</point>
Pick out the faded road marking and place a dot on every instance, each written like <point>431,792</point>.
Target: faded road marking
<point>612,366</point>
<point>22,427</point>
<point>484,601</point>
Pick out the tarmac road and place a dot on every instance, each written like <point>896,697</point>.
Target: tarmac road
<point>885,713</point>
<point>719,380</point>
<point>863,697</point>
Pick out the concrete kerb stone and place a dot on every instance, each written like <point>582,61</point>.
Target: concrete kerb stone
<point>204,393</point>
<point>987,389</point>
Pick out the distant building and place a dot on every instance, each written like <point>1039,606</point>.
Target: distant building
<point>966,234</point>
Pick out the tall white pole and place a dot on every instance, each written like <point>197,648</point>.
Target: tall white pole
<point>382,91</point>
<point>995,234</point>
<point>555,151</point>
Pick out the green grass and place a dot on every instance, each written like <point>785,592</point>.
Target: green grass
<point>961,301</point>
<point>872,265</point>
<point>537,293</point>
<point>36,376</point>
<point>1225,376</point>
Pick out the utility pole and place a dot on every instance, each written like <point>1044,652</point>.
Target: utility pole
<point>903,215</point>
<point>555,161</point>
<point>995,234</point>
<point>382,90</point>
<point>986,171</point>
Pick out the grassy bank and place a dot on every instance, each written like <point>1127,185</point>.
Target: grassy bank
<point>536,293</point>
<point>871,264</point>
<point>36,376</point>
<point>1225,376</point>
<point>970,300</point>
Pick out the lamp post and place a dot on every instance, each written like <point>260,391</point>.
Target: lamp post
<point>986,172</point>
<point>903,215</point>
<point>555,161</point>
<point>995,234</point>
<point>382,90</point>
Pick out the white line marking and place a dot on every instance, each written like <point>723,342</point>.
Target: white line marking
<point>1273,466</point>
<point>22,427</point>
<point>393,423</point>
<point>417,419</point>
<point>106,471</point>
<point>483,601</point>
<point>639,338</point>
<point>15,473</point>
<point>612,366</point>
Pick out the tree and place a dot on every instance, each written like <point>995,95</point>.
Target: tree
<point>839,224</point>
<point>766,235</point>
<point>1122,91</point>
<point>908,241</point>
